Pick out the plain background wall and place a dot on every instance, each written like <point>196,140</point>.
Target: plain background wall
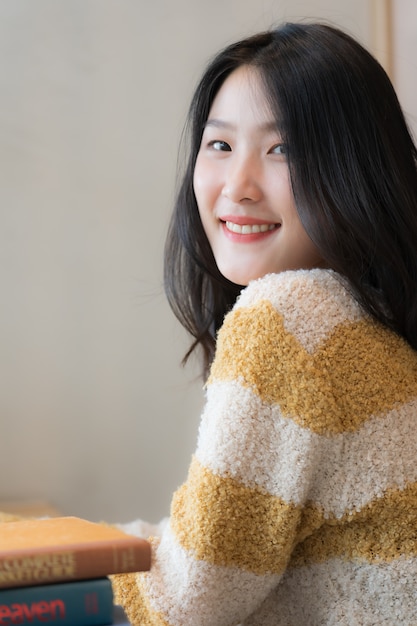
<point>404,34</point>
<point>97,417</point>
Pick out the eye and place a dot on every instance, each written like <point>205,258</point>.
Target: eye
<point>219,145</point>
<point>279,148</point>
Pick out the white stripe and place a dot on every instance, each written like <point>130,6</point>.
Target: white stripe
<point>194,593</point>
<point>251,441</point>
<point>340,593</point>
<point>335,593</point>
<point>303,298</point>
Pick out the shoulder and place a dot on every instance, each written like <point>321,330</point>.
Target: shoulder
<point>293,291</point>
<point>308,303</point>
<point>278,323</point>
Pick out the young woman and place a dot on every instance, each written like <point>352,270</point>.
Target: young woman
<point>300,194</point>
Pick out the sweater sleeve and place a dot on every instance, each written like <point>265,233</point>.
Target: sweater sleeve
<point>236,520</point>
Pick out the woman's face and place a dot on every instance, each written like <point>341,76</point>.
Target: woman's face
<point>243,189</point>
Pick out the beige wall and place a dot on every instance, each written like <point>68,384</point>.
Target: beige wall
<point>96,414</point>
<point>404,35</point>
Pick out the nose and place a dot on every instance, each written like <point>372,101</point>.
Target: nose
<point>242,180</point>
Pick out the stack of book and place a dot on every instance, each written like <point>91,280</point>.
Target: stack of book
<point>55,571</point>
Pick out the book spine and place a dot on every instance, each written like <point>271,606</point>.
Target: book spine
<point>87,602</point>
<point>85,562</point>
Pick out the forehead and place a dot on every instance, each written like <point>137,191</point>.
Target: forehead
<point>242,96</point>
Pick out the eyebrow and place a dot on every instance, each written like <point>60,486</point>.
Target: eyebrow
<point>223,124</point>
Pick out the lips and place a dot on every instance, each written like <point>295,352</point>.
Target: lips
<point>249,229</point>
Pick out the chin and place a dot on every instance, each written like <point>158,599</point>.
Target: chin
<point>243,276</point>
<point>238,279</point>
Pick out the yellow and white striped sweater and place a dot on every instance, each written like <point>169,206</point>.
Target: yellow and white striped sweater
<point>300,507</point>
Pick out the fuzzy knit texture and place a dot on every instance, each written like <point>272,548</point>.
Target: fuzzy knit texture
<point>300,506</point>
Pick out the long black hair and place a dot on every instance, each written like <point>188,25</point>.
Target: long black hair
<point>353,172</point>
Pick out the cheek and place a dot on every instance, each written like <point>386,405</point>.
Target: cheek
<point>200,192</point>
<point>206,183</point>
<point>197,181</point>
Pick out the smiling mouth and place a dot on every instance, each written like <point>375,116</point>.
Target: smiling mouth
<point>250,229</point>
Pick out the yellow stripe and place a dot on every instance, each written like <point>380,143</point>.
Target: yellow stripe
<point>361,369</point>
<point>126,589</point>
<point>223,522</point>
<point>381,532</point>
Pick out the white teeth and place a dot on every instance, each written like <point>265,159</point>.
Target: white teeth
<point>248,229</point>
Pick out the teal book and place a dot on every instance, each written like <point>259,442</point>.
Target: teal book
<point>84,602</point>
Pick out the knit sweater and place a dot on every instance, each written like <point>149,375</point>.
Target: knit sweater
<point>300,506</point>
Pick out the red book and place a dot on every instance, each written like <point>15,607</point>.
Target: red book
<point>35,552</point>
